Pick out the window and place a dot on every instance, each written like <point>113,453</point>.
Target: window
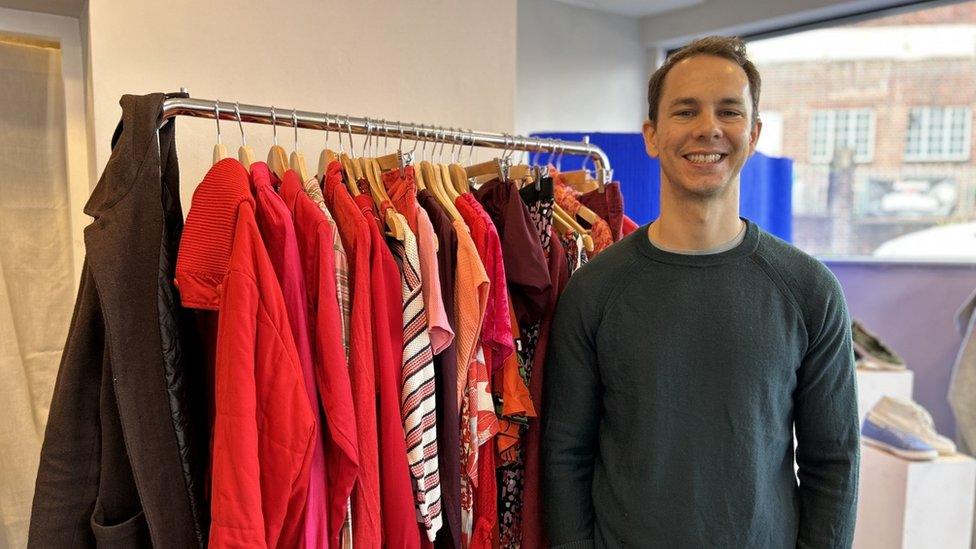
<point>832,129</point>
<point>938,133</point>
<point>899,92</point>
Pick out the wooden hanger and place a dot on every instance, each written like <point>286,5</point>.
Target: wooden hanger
<point>244,154</point>
<point>349,166</point>
<point>492,167</point>
<point>567,225</point>
<point>297,160</point>
<point>579,180</point>
<point>277,159</point>
<point>393,221</point>
<point>430,175</point>
<point>219,151</point>
<point>327,156</point>
<point>444,173</point>
<point>374,177</point>
<point>418,177</point>
<point>459,178</point>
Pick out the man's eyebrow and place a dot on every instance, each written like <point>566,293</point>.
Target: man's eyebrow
<point>732,101</point>
<point>691,101</point>
<point>684,101</point>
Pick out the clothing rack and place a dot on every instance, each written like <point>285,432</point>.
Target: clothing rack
<point>208,108</point>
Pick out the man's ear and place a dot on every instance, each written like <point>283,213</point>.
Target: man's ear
<point>754,135</point>
<point>650,133</point>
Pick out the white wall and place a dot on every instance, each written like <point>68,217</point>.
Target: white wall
<point>578,70</point>
<point>675,28</point>
<point>446,62</point>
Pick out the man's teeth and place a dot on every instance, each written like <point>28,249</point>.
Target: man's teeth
<point>704,158</point>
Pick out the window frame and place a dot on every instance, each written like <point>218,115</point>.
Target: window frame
<point>924,154</point>
<point>832,116</point>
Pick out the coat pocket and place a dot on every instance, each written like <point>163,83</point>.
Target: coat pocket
<point>132,533</point>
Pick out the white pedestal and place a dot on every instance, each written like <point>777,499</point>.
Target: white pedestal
<point>914,505</point>
<point>872,385</point>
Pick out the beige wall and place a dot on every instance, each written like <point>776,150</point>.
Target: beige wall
<point>578,70</point>
<point>449,62</point>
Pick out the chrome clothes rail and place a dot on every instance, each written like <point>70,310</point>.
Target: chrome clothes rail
<point>208,108</point>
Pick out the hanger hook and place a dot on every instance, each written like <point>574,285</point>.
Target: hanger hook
<point>470,147</point>
<point>369,135</point>
<point>352,148</point>
<point>294,122</point>
<point>326,130</point>
<point>453,150</point>
<point>240,123</point>
<point>586,157</point>
<point>274,126</point>
<point>217,117</point>
<point>438,140</point>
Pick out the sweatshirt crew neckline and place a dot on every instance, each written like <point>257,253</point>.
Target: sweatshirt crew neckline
<point>749,244</point>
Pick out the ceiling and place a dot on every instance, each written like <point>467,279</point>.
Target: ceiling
<point>634,8</point>
<point>70,8</point>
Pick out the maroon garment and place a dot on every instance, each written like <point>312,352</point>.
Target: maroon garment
<point>396,490</point>
<point>526,271</point>
<point>445,380</point>
<point>609,205</point>
<point>533,534</point>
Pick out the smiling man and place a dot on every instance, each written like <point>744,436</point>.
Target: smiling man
<point>686,356</point>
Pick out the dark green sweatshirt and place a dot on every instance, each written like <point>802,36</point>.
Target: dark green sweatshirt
<point>673,387</point>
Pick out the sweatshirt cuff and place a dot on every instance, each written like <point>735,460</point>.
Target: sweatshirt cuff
<point>578,544</point>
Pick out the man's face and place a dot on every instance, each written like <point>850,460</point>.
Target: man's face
<point>704,131</point>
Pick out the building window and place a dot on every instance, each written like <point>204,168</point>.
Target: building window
<point>938,133</point>
<point>831,129</point>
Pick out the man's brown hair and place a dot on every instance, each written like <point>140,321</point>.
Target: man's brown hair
<point>733,49</point>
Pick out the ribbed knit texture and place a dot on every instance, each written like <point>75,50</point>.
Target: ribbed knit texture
<point>205,255</point>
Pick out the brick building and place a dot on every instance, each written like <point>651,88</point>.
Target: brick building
<point>878,119</point>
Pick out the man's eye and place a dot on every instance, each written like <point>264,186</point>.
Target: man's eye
<point>731,113</point>
<point>684,114</point>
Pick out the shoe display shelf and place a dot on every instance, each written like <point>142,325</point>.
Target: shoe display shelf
<point>874,384</point>
<point>915,504</point>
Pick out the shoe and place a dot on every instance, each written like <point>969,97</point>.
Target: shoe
<point>897,442</point>
<point>869,348</point>
<point>911,417</point>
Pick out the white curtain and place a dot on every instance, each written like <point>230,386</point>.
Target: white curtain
<point>36,271</point>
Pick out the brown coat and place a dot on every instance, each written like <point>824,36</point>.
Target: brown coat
<point>122,460</point>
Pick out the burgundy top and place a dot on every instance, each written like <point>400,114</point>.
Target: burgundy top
<point>526,271</point>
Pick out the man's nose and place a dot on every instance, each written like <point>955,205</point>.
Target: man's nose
<point>707,126</point>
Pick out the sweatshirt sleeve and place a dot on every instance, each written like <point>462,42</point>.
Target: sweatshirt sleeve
<point>825,404</point>
<point>572,406</point>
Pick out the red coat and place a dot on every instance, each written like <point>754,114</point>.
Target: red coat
<point>263,423</point>
<point>355,235</point>
<point>315,245</point>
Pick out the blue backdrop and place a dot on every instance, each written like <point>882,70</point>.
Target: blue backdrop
<point>766,183</point>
